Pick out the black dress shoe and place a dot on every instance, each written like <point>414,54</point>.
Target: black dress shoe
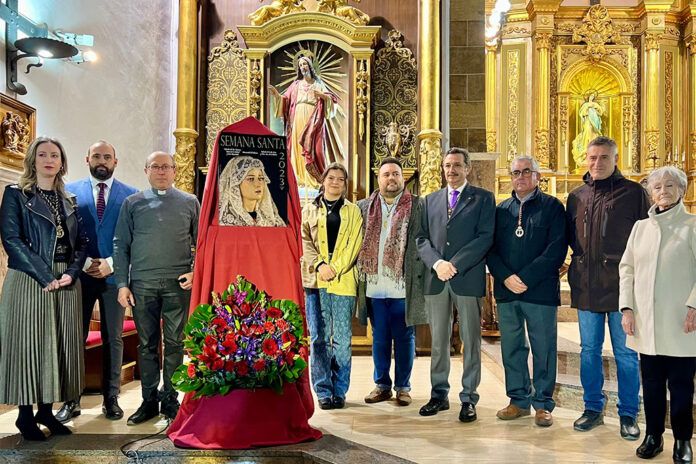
<point>338,403</point>
<point>146,411</point>
<point>325,403</point>
<point>588,421</point>
<point>69,410</point>
<point>682,452</point>
<point>652,446</point>
<point>434,406</point>
<point>169,408</point>
<point>111,409</point>
<point>468,412</point>
<point>629,428</point>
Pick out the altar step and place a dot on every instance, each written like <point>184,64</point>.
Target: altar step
<point>568,393</point>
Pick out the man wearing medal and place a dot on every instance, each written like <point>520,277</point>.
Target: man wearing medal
<point>456,234</point>
<point>528,250</point>
<point>390,284</point>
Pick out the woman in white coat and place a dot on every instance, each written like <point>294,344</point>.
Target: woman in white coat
<point>657,298</point>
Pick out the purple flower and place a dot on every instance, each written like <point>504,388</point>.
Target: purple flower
<point>239,297</point>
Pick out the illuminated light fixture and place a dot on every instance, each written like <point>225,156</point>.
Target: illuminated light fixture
<point>495,20</point>
<point>36,45</point>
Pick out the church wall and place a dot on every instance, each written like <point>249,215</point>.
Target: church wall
<point>467,84</point>
<point>125,97</point>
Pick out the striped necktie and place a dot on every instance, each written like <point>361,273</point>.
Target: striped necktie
<point>101,204</point>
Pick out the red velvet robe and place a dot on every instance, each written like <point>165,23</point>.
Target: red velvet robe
<point>270,258</point>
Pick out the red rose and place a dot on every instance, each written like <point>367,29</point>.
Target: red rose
<point>259,329</point>
<point>282,325</point>
<point>269,327</point>
<point>242,368</point>
<point>218,364</point>
<point>191,371</point>
<point>229,366</point>
<point>274,313</point>
<point>270,347</point>
<point>259,365</point>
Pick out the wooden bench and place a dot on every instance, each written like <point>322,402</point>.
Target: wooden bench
<point>94,356</point>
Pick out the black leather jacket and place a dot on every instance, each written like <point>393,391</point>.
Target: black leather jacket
<point>29,234</point>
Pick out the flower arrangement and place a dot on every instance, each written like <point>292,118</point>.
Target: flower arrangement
<point>242,340</point>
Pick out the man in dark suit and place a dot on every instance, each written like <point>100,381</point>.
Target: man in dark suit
<point>99,199</point>
<point>457,231</point>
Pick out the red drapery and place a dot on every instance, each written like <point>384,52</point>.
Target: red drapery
<point>269,257</point>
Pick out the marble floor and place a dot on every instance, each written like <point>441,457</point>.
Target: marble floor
<point>402,432</point>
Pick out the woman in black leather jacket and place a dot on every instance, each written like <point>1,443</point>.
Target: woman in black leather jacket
<point>41,358</point>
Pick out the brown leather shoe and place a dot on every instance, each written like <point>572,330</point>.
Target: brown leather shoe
<point>543,418</point>
<point>403,398</point>
<point>511,411</point>
<point>377,395</point>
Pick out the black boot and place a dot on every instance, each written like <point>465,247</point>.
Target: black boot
<point>27,424</point>
<point>45,417</point>
<point>682,452</point>
<point>652,446</point>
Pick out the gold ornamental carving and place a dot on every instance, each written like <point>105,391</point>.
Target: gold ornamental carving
<point>185,159</point>
<point>227,93</point>
<point>652,141</point>
<point>669,95</point>
<point>597,30</point>
<point>693,151</point>
<point>430,162</point>
<point>275,9</point>
<point>652,41</point>
<point>491,141</point>
<point>513,102</point>
<point>691,44</point>
<point>362,92</point>
<point>341,9</point>
<point>543,40</point>
<point>394,101</point>
<point>626,113</point>
<point>563,119</point>
<point>541,142</point>
<point>255,79</point>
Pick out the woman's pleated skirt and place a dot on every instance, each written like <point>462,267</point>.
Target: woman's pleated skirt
<point>41,351</point>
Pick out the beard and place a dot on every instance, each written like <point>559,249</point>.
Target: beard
<point>101,172</point>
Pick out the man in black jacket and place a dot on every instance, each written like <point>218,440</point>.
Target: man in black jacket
<point>600,217</point>
<point>529,248</point>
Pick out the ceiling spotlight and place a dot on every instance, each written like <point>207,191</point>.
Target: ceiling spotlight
<point>44,54</point>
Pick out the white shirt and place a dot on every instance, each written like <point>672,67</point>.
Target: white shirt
<point>95,188</point>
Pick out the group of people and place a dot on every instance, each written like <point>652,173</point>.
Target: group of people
<point>407,261</point>
<point>400,259</point>
<point>70,246</point>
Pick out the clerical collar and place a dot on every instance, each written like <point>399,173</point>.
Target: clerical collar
<point>159,192</point>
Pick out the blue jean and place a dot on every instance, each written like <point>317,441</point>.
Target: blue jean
<point>591,372</point>
<point>329,320</point>
<point>388,319</point>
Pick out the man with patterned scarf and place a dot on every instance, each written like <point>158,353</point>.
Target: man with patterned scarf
<point>390,288</point>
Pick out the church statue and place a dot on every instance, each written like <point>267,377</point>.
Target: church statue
<point>15,132</point>
<point>309,109</point>
<point>590,113</point>
<point>275,9</point>
<point>245,199</point>
<point>341,9</point>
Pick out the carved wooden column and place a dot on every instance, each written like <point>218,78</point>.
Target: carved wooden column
<point>652,93</point>
<point>491,133</point>
<point>185,133</point>
<point>255,79</point>
<point>430,137</point>
<point>691,46</point>
<point>542,42</point>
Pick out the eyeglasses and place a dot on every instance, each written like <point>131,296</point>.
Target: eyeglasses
<point>163,168</point>
<point>524,173</point>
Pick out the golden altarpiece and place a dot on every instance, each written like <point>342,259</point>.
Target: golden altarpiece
<point>229,71</point>
<point>558,74</point>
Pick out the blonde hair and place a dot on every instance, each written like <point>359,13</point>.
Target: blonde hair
<point>28,178</point>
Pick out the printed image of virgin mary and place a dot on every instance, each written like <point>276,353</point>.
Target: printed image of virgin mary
<point>244,196</point>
